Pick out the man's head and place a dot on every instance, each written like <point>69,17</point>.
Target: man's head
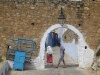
<point>59,44</point>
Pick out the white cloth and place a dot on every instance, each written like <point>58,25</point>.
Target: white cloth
<point>49,50</point>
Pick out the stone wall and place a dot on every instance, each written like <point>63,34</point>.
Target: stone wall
<point>92,23</point>
<point>30,20</point>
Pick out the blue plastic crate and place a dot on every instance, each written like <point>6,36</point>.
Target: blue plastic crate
<point>19,60</point>
<point>18,65</point>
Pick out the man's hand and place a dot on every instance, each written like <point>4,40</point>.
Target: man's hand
<point>64,51</point>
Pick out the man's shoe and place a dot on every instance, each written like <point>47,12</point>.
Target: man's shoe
<point>56,66</point>
<point>64,67</point>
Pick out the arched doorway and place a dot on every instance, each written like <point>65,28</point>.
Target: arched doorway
<point>85,56</point>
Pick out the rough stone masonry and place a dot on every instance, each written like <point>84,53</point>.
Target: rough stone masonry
<point>31,20</point>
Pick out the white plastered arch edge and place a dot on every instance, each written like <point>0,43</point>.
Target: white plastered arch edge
<point>85,56</point>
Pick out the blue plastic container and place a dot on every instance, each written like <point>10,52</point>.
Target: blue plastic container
<point>19,60</point>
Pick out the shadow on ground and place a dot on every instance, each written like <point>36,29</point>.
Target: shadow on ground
<point>61,66</point>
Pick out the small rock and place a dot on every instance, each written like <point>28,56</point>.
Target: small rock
<point>32,7</point>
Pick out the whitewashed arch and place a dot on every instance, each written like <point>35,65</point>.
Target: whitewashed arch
<point>85,56</point>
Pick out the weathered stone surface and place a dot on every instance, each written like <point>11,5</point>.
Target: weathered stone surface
<point>16,19</point>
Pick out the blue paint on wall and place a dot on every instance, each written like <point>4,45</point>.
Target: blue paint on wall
<point>59,40</point>
<point>52,39</point>
<point>72,50</point>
